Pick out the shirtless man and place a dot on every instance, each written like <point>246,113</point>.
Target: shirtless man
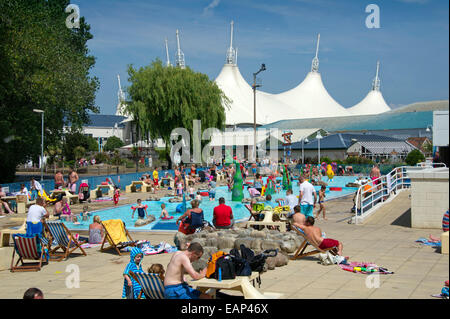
<point>375,173</point>
<point>73,178</point>
<point>314,235</point>
<point>298,219</point>
<point>59,180</point>
<point>175,286</point>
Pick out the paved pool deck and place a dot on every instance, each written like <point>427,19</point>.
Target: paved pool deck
<point>385,239</point>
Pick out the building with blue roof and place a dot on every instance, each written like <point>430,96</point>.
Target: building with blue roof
<point>341,145</point>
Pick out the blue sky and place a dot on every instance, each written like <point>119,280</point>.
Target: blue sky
<point>412,43</point>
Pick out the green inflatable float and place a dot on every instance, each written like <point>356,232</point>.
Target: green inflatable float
<point>237,193</point>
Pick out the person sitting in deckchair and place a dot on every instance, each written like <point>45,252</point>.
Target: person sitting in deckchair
<point>314,235</point>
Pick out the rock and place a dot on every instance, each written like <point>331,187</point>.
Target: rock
<point>270,244</point>
<point>180,241</point>
<point>246,241</point>
<point>200,264</point>
<point>201,241</point>
<point>225,242</point>
<point>144,221</point>
<point>176,200</point>
<point>281,260</point>
<point>209,250</point>
<point>256,244</point>
<point>213,235</point>
<point>258,234</point>
<point>288,246</point>
<point>271,263</point>
<point>211,241</point>
<point>153,198</point>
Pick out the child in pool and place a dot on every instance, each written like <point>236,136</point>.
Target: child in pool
<point>321,202</point>
<point>157,269</point>
<point>67,212</point>
<point>191,192</point>
<point>180,189</point>
<point>164,213</point>
<point>84,215</point>
<point>142,210</point>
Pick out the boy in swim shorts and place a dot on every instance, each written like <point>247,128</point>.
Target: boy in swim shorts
<point>321,202</point>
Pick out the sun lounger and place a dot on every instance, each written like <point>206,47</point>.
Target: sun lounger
<point>64,239</point>
<point>5,234</point>
<point>267,221</point>
<point>152,285</point>
<point>116,235</point>
<point>300,253</point>
<point>28,248</point>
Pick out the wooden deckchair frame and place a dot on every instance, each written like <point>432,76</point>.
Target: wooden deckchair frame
<point>300,253</point>
<point>117,246</point>
<point>67,250</point>
<point>27,266</point>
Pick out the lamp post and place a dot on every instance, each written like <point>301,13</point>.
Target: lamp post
<point>305,139</point>
<point>42,141</point>
<point>263,68</point>
<point>319,137</point>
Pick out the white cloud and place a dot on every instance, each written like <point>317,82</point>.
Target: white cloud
<point>207,10</point>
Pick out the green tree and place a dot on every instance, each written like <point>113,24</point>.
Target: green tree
<point>92,144</point>
<point>78,152</point>
<point>164,98</point>
<point>414,157</point>
<point>44,65</point>
<point>112,143</point>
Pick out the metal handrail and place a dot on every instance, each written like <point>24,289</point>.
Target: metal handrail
<point>380,190</point>
<point>432,165</point>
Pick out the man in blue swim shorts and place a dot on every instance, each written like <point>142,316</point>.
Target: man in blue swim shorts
<point>306,200</point>
<point>175,286</point>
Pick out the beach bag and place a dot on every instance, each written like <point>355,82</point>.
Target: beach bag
<point>257,262</point>
<point>225,268</point>
<point>221,265</point>
<point>211,266</point>
<point>241,265</point>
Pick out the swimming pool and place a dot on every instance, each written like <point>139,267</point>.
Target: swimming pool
<point>239,210</point>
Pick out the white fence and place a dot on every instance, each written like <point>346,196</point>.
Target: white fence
<point>371,195</point>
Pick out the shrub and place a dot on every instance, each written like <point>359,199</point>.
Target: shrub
<point>414,157</point>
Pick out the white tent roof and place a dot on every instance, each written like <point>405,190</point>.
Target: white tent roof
<point>268,107</point>
<point>373,103</point>
<point>311,99</point>
<point>240,137</point>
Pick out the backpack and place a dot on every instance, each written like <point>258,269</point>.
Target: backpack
<point>222,261</point>
<point>257,262</point>
<point>211,266</point>
<point>225,268</point>
<point>241,265</point>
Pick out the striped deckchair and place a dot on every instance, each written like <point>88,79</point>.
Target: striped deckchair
<point>116,235</point>
<point>151,284</point>
<point>28,247</point>
<point>64,239</point>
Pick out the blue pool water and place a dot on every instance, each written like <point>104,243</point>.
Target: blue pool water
<point>239,210</point>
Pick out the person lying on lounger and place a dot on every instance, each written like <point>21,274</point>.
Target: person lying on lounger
<point>314,235</point>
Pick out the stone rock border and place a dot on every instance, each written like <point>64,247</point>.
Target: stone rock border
<point>257,240</point>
